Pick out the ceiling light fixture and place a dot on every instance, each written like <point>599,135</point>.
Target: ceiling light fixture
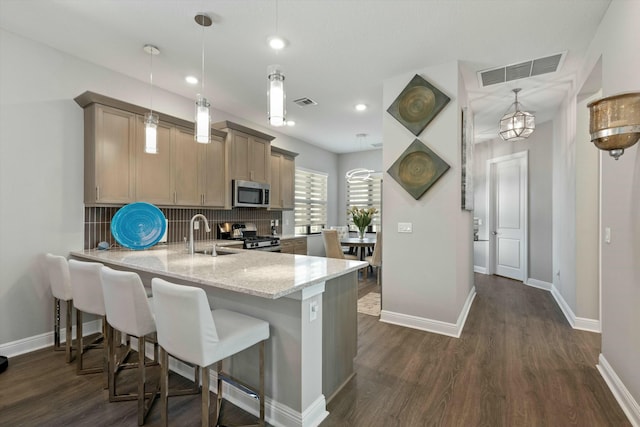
<point>192,80</point>
<point>203,117</point>
<point>291,123</point>
<point>361,107</point>
<point>276,96</point>
<point>516,125</point>
<point>151,119</point>
<point>277,43</point>
<point>614,122</point>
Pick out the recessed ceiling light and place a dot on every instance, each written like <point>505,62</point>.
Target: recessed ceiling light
<point>191,80</point>
<point>277,42</point>
<point>361,107</point>
<point>291,123</point>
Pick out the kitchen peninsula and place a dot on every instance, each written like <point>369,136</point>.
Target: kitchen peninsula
<point>309,302</point>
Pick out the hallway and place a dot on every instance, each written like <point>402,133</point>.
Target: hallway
<point>517,363</point>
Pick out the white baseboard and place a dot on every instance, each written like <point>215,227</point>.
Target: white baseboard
<point>581,323</point>
<point>430,325</point>
<point>478,269</point>
<point>535,283</point>
<point>29,344</point>
<point>620,392</point>
<point>276,413</point>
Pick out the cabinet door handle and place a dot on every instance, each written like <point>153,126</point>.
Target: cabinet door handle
<point>175,198</point>
<point>97,193</point>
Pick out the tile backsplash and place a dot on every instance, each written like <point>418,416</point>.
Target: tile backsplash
<point>97,222</point>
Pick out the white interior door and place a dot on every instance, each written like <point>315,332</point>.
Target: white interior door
<point>508,238</point>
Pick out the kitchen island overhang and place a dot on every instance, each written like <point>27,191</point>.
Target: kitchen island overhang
<point>309,302</point>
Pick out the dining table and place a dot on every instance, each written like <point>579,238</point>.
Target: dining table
<point>359,244</point>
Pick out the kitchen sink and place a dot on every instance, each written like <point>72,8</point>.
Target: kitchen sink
<point>220,252</point>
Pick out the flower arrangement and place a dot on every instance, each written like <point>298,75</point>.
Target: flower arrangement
<point>361,218</point>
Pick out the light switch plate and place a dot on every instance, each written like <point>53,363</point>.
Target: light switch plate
<point>313,311</point>
<point>607,234</point>
<point>405,227</point>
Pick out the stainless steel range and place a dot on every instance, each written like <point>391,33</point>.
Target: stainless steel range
<point>247,232</point>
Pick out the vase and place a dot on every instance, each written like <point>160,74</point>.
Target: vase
<point>361,232</point>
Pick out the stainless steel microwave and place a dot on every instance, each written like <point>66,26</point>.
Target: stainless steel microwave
<point>249,194</point>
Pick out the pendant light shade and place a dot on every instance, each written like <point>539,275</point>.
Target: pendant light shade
<point>203,121</point>
<point>203,117</point>
<point>151,133</point>
<point>516,125</point>
<point>151,119</point>
<point>276,96</point>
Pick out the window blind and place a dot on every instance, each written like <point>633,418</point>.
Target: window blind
<point>365,194</point>
<point>310,212</point>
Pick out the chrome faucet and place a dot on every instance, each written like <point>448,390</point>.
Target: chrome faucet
<point>206,227</point>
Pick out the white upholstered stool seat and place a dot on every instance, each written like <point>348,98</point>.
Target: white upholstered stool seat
<point>129,311</point>
<point>58,271</point>
<point>190,330</point>
<point>86,285</point>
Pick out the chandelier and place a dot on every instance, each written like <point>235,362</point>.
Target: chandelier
<point>517,124</point>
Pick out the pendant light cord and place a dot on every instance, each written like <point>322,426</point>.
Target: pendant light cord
<point>151,80</point>
<point>202,25</point>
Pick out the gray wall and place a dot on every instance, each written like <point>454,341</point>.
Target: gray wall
<point>620,202</point>
<point>429,274</point>
<point>41,169</point>
<point>539,146</point>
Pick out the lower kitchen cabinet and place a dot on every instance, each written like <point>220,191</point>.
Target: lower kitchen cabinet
<point>294,245</point>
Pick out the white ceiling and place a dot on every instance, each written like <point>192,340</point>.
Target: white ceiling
<point>340,51</point>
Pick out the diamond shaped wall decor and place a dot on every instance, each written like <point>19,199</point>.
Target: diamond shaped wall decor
<point>418,104</point>
<point>417,169</point>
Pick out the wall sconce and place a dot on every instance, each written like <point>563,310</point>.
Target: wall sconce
<point>614,122</point>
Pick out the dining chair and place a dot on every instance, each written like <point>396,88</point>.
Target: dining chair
<point>332,246</point>
<point>375,260</point>
<point>188,329</point>
<point>58,270</point>
<point>343,233</point>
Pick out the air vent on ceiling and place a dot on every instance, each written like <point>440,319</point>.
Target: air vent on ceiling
<point>534,67</point>
<point>377,145</point>
<point>303,102</point>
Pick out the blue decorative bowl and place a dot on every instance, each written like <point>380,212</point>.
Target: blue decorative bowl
<point>138,225</point>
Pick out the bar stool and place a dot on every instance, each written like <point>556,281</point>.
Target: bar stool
<point>128,310</point>
<point>86,285</point>
<point>58,270</point>
<point>191,331</point>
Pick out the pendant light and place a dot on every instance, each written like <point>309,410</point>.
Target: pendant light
<point>516,125</point>
<point>276,96</point>
<point>151,119</point>
<point>203,117</point>
<point>614,122</point>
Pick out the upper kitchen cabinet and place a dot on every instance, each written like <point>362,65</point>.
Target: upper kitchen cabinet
<point>109,153</point>
<point>249,152</point>
<point>201,172</point>
<point>155,172</point>
<point>118,171</point>
<point>282,178</point>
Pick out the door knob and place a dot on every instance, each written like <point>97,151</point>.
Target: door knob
<point>494,233</point>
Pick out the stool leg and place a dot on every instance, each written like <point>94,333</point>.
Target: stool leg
<point>110,341</point>
<point>79,341</point>
<point>261,391</point>
<point>205,397</point>
<point>56,323</point>
<point>141,380</point>
<point>69,330</point>
<point>219,395</point>
<point>164,386</point>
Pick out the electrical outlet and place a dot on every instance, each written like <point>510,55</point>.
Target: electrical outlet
<point>278,222</point>
<point>313,311</point>
<point>196,225</point>
<point>273,222</point>
<point>607,234</point>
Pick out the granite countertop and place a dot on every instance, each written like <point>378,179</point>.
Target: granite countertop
<point>259,273</point>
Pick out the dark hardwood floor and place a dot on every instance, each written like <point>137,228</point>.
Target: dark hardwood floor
<point>517,363</point>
